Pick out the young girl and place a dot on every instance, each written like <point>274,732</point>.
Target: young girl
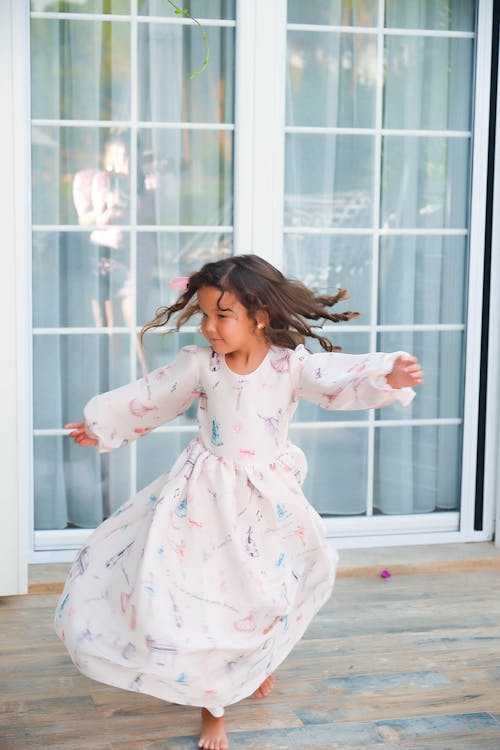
<point>196,589</point>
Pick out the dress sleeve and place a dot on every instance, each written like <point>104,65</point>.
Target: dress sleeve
<point>122,415</point>
<point>347,381</point>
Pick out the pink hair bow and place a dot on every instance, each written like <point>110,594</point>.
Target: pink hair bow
<point>179,284</point>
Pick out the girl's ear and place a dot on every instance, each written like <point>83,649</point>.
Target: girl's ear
<point>262,319</point>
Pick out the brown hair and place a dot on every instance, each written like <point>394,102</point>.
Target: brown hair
<point>258,285</point>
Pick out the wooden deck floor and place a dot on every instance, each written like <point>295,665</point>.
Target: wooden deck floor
<point>412,663</point>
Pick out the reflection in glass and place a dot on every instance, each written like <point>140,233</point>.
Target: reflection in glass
<point>223,9</point>
<point>409,100</point>
<point>345,66</point>
<point>337,474</point>
<point>168,54</point>
<point>326,262</point>
<point>425,182</point>
<point>422,279</point>
<point>76,487</point>
<point>455,15</point>
<point>350,343</point>
<point>329,180</point>
<point>334,12</point>
<point>81,176</point>
<point>187,177</point>
<point>72,369</point>
<point>161,256</point>
<point>80,70</point>
<point>81,279</point>
<point>417,469</point>
<point>441,354</point>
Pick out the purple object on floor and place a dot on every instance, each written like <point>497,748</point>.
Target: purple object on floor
<point>385,574</point>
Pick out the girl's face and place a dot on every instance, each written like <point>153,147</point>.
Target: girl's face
<point>226,324</point>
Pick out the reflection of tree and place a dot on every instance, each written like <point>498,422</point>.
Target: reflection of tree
<point>90,80</point>
<point>93,71</point>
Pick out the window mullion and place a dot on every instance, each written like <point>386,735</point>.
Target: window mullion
<point>260,118</point>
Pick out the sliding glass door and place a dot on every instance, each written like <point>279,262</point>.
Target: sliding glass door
<point>379,111</point>
<point>142,171</point>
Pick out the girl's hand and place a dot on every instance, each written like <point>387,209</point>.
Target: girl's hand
<point>79,434</point>
<point>406,372</point>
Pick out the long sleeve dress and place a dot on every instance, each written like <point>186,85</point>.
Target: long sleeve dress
<point>197,588</point>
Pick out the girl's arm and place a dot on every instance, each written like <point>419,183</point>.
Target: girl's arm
<point>120,416</point>
<point>356,381</point>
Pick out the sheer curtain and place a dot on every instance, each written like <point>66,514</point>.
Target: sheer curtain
<point>125,162</point>
<point>378,142</point>
<point>79,278</point>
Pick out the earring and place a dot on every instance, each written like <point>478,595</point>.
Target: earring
<point>260,326</point>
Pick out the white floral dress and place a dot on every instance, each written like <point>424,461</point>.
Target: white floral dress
<point>197,588</point>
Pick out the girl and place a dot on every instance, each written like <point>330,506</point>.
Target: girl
<point>196,589</point>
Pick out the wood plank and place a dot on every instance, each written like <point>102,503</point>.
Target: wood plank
<point>412,662</point>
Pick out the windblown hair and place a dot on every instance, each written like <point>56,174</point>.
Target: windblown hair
<point>259,286</point>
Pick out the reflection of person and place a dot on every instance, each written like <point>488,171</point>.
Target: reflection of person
<point>197,588</point>
<point>101,198</point>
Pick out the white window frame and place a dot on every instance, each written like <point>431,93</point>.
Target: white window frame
<point>259,187</point>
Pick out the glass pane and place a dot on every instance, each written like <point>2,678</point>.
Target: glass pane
<point>422,280</point>
<point>77,6</point>
<point>326,262</point>
<point>329,180</point>
<point>168,54</point>
<point>156,454</point>
<point>417,469</point>
<point>223,9</point>
<point>334,12</point>
<point>80,70</point>
<point>80,176</point>
<point>425,182</point>
<point>91,267</point>
<point>441,354</point>
<point>76,487</point>
<point>72,369</point>
<point>337,473</point>
<point>350,343</point>
<point>428,83</point>
<point>345,66</point>
<point>457,15</point>
<point>188,177</point>
<point>162,256</point>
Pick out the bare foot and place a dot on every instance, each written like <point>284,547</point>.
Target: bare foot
<point>266,687</point>
<point>213,732</point>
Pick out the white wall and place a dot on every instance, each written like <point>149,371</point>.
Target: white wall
<point>14,299</point>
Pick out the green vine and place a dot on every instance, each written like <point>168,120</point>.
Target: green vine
<point>183,12</point>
